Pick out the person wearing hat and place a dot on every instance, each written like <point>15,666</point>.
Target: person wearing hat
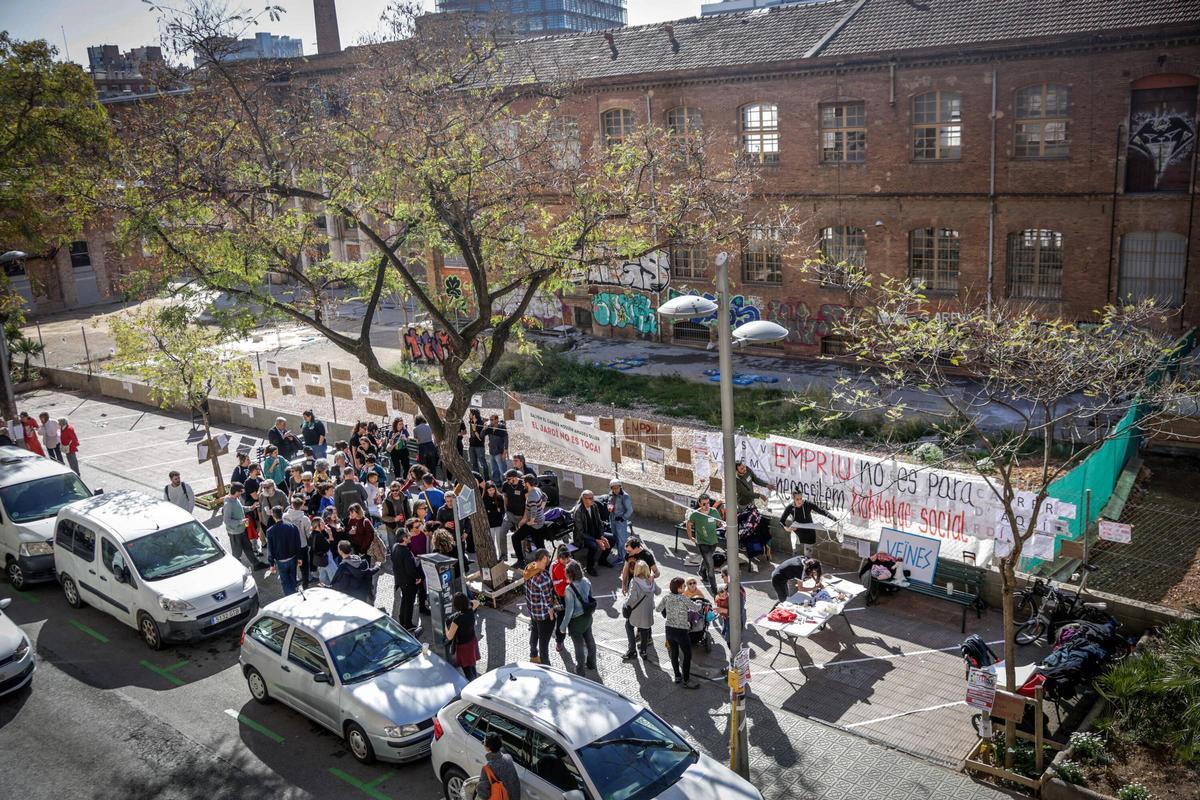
<point>513,491</point>
<point>619,506</point>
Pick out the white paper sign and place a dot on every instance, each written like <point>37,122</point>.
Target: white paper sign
<point>575,478</point>
<point>981,688</point>
<point>272,368</point>
<point>655,455</point>
<point>702,469</point>
<point>476,401</point>
<point>556,430</point>
<point>1115,531</point>
<point>1040,546</point>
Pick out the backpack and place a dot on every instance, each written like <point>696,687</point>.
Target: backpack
<point>589,605</point>
<point>498,792</point>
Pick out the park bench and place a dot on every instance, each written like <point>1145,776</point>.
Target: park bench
<point>953,581</point>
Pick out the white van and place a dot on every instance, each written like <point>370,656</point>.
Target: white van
<point>151,565</point>
<point>32,490</point>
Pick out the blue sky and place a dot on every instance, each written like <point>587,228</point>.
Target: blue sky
<point>130,23</point>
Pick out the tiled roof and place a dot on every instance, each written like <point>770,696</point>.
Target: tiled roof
<point>867,27</point>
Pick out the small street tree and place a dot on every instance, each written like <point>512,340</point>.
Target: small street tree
<point>442,143</point>
<point>1063,387</point>
<point>182,363</point>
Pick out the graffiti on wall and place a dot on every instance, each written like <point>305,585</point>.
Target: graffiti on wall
<point>625,311</point>
<point>650,273</point>
<point>426,346</point>
<point>803,326</point>
<point>1162,137</point>
<point>742,309</point>
<point>544,307</point>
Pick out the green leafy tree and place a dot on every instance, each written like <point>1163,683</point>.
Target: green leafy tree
<point>182,363</point>
<point>441,142</point>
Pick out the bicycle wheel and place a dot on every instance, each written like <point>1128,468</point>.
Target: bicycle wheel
<point>1029,632</point>
<point>1024,608</point>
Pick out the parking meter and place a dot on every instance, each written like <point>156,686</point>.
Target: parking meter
<point>441,582</point>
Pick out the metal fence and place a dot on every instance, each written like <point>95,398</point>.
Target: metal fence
<point>1161,565</point>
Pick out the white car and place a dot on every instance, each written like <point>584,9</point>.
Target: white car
<point>32,490</point>
<point>16,654</point>
<point>573,739</point>
<point>351,668</point>
<point>151,565</point>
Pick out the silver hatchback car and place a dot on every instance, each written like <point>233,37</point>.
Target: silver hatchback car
<point>351,668</point>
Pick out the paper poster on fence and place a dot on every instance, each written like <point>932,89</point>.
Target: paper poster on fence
<point>1115,531</point>
<point>553,429</point>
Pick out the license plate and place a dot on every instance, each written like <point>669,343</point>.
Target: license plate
<point>230,614</point>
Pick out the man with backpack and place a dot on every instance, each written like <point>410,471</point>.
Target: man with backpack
<point>498,780</point>
<point>179,493</point>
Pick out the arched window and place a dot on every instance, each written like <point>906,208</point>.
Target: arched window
<point>1043,117</point>
<point>841,246</point>
<point>617,124</point>
<point>937,126</point>
<point>1152,266</point>
<point>1035,264</point>
<point>933,258</point>
<point>760,133</point>
<point>685,121</point>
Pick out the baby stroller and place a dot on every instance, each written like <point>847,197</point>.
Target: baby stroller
<point>700,617</point>
<point>754,533</point>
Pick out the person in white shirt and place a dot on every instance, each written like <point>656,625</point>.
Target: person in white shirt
<point>50,437</point>
<point>179,493</point>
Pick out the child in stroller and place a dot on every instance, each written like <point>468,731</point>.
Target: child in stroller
<point>701,617</point>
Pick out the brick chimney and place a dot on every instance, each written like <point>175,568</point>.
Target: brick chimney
<point>325,12</point>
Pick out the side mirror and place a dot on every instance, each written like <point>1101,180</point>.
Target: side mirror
<point>119,570</point>
<point>5,603</point>
<point>322,677</point>
<point>97,492</point>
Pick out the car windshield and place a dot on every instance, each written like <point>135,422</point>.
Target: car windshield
<point>375,647</point>
<point>638,760</point>
<point>34,500</point>
<point>172,551</point>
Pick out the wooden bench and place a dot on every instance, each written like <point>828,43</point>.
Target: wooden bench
<point>953,581</point>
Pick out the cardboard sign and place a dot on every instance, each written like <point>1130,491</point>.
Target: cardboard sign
<point>310,368</point>
<point>251,392</point>
<point>981,688</point>
<point>608,424</point>
<point>339,374</point>
<point>1008,706</point>
<point>1115,531</point>
<point>631,449</point>
<point>313,389</point>
<point>342,391</point>
<point>376,408</point>
<point>919,553</point>
<point>289,372</point>
<point>217,446</point>
<point>1071,548</point>
<point>272,368</point>
<point>679,475</point>
<point>683,455</point>
<point>715,484</point>
<point>274,381</point>
<point>510,414</point>
<point>616,455</point>
<point>374,387</point>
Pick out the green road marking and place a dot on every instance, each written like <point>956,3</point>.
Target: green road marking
<point>99,637</point>
<point>165,672</point>
<point>24,595</point>
<point>263,729</point>
<point>366,788</point>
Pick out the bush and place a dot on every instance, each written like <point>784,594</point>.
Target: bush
<point>1089,748</point>
<point>929,453</point>
<point>1069,772</point>
<point>1134,791</point>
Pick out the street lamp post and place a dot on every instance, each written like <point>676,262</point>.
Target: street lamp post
<point>688,307</point>
<point>7,400</point>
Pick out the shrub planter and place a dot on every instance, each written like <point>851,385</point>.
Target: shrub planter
<point>210,500</point>
<point>1054,787</point>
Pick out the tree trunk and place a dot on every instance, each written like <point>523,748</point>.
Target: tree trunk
<point>216,462</point>
<point>458,469</point>
<point>1008,580</point>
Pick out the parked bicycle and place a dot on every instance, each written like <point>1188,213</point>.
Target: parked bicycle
<point>1042,608</point>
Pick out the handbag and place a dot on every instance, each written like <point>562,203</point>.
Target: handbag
<point>627,610</point>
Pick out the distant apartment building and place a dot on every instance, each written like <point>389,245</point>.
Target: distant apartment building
<point>116,74</point>
<point>537,17</point>
<point>730,6</point>
<point>261,45</point>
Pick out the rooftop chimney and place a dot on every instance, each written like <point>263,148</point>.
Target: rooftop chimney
<point>325,12</point>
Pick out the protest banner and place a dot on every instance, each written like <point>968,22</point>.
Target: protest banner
<point>553,429</point>
<point>919,553</point>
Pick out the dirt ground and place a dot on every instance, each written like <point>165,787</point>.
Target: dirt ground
<point>1163,777</point>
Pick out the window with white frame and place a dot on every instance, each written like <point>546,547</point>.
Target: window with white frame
<point>762,257</point>
<point>844,132</point>
<point>841,247</point>
<point>937,126</point>
<point>760,133</point>
<point>1043,118</point>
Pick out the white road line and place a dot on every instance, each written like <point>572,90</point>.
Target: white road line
<point>889,656</point>
<point>904,714</point>
<point>232,713</point>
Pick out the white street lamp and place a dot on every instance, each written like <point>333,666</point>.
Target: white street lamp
<point>757,332</point>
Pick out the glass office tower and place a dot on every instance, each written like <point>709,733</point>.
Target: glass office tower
<point>536,17</point>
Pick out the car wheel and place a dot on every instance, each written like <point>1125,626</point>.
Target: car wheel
<point>71,592</point>
<point>258,686</point>
<point>15,575</point>
<point>148,628</point>
<point>359,744</point>
<point>453,779</point>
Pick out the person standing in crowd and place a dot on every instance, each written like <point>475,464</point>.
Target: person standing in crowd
<point>394,511</point>
<point>493,506</point>
<point>13,435</point>
<point>799,514</point>
<point>312,431</point>
<point>371,465</point>
<point>521,465</point>
<point>558,575</point>
<point>799,568</point>
<point>638,611</point>
<point>397,446</point>
<point>349,492</point>
<point>533,520</point>
<point>427,452</point>
<point>374,504</point>
<point>284,440</point>
<point>513,490</point>
<point>285,548</point>
<point>461,631</point>
<point>70,440</point>
<point>359,530</point>
<point>746,481</point>
<point>179,492</point>
<point>589,530</point>
<point>51,437</point>
<point>620,512</point>
<point>353,575</point>
<point>233,516</point>
<point>635,552</point>
<point>321,548</point>
<point>702,530</point>
<point>578,607</point>
<point>676,608</point>
<point>242,471</point>
<point>295,479</point>
<point>476,445</point>
<point>540,601</point>
<point>497,445</point>
<point>30,434</point>
<point>419,545</point>
<point>269,498</point>
<point>407,572</point>
<point>498,767</point>
<point>273,466</point>
<point>434,497</point>
<point>297,516</point>
<point>721,604</point>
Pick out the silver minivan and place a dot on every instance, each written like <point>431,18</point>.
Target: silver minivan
<point>351,668</point>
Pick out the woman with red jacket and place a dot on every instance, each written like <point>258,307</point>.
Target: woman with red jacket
<point>70,443</point>
<point>558,574</point>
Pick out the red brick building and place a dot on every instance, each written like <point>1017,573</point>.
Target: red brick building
<point>991,148</point>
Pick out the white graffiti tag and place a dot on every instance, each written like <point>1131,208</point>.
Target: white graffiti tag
<point>651,273</point>
<point>1165,137</point>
